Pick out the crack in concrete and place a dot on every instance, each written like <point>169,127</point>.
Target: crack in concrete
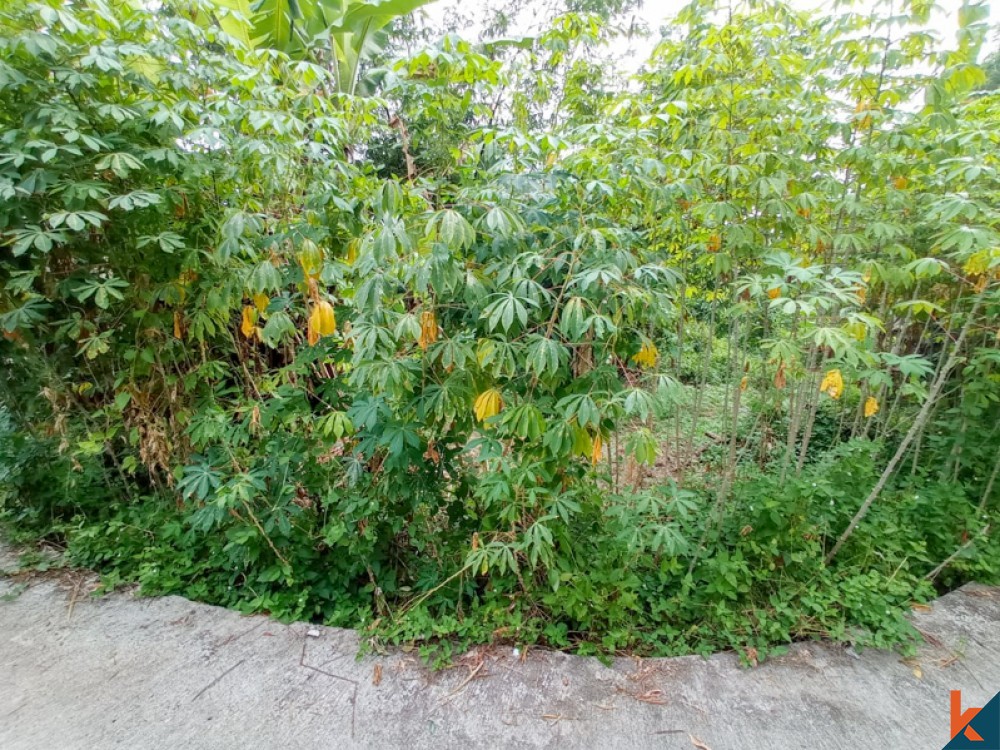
<point>355,683</point>
<point>216,680</point>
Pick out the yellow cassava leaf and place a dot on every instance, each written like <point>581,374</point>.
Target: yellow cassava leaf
<point>977,263</point>
<point>428,329</point>
<point>871,406</point>
<point>832,384</point>
<point>647,355</point>
<point>488,404</point>
<point>249,321</point>
<point>322,321</point>
<point>261,301</point>
<point>857,330</point>
<point>595,453</point>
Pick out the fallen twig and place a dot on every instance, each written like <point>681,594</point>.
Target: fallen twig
<point>466,681</point>
<point>73,598</point>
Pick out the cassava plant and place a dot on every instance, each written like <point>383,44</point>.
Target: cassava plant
<point>505,349</point>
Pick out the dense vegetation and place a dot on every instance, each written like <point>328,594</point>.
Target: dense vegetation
<point>493,341</point>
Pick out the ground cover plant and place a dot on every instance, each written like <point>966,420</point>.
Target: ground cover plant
<point>472,341</point>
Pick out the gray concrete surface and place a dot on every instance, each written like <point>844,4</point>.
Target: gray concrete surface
<point>121,671</point>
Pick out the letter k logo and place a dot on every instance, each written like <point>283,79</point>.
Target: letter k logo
<point>960,720</point>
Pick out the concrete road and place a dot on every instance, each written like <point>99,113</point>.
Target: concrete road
<point>121,671</point>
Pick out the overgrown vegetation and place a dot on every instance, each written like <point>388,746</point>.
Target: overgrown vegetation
<point>513,347</point>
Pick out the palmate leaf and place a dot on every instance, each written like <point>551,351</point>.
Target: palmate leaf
<point>279,326</point>
<point>538,542</point>
<point>668,539</point>
<point>580,408</point>
<point>76,220</point>
<point>524,421</point>
<point>574,316</point>
<point>504,309</point>
<point>102,291</point>
<point>30,312</point>
<point>199,481</point>
<point>396,438</point>
<point>638,402</point>
<point>545,356</point>
<point>451,228</point>
<point>264,277</point>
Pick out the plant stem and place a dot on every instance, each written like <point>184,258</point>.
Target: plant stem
<point>989,484</point>
<point>915,428</point>
<point>951,558</point>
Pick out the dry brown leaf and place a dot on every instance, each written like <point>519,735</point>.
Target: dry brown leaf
<point>914,665</point>
<point>779,377</point>
<point>432,454</point>
<point>377,675</point>
<point>698,743</point>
